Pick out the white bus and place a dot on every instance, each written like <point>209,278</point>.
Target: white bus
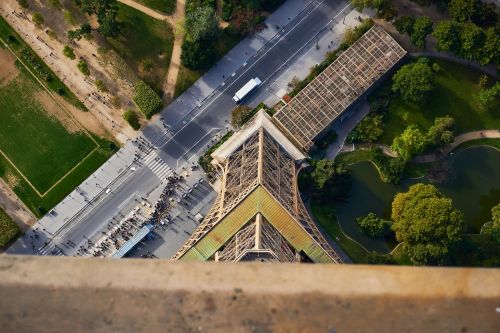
<point>246,89</point>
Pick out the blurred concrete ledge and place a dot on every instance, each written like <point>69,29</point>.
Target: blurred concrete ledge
<point>54,294</point>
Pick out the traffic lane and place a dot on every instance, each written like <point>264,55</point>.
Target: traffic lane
<point>106,209</point>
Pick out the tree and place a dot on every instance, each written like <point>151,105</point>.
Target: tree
<point>84,30</point>
<point>197,55</point>
<point>490,51</point>
<point>132,119</point>
<point>68,52</point>
<point>447,34</point>
<point>323,171</point>
<point>101,86</point>
<point>421,28</point>
<point>472,39</point>
<point>369,129</point>
<point>240,115</point>
<point>485,14</point>
<point>492,228</point>
<point>487,98</point>
<point>440,133</point>
<point>23,3</point>
<point>201,24</point>
<point>382,6</point>
<point>411,142</point>
<point>374,226</point>
<point>413,81</point>
<point>336,187</point>
<point>404,24</point>
<point>427,224</point>
<point>83,67</point>
<point>106,12</point>
<point>461,10</point>
<point>38,19</point>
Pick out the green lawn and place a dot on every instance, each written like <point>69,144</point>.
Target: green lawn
<point>42,150</point>
<point>164,6</point>
<point>144,38</point>
<point>453,95</point>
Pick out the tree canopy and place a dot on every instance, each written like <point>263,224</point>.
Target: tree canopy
<point>440,133</point>
<point>493,228</point>
<point>240,115</point>
<point>331,181</point>
<point>106,12</point>
<point>427,224</point>
<point>411,142</point>
<point>201,24</point>
<point>413,81</point>
<point>461,10</point>
<point>374,226</point>
<point>369,129</point>
<point>421,28</point>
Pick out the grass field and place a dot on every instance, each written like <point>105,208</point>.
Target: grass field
<point>144,38</point>
<point>41,158</point>
<point>16,44</point>
<point>163,6</point>
<point>453,95</point>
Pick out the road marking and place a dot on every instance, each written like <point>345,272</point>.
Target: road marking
<point>253,64</point>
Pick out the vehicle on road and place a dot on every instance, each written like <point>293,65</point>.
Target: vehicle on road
<point>248,88</point>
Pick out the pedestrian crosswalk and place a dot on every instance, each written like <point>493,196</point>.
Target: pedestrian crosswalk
<point>159,168</point>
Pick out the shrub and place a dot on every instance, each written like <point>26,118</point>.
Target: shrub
<point>132,119</point>
<point>205,159</point>
<point>23,3</point>
<point>69,18</point>
<point>101,85</point>
<point>369,129</point>
<point>404,24</point>
<point>435,67</point>
<point>413,81</point>
<point>374,226</point>
<point>8,229</point>
<point>83,67</point>
<point>36,64</point>
<point>147,65</point>
<point>68,52</point>
<point>146,99</point>
<point>38,19</point>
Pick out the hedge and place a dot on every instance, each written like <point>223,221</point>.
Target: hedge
<point>146,99</point>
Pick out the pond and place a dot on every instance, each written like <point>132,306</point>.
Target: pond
<point>474,189</point>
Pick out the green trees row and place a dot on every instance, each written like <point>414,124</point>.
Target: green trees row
<point>417,29</point>
<point>198,48</point>
<point>468,40</point>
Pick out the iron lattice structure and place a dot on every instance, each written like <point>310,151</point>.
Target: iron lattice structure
<point>258,215</point>
<point>331,93</point>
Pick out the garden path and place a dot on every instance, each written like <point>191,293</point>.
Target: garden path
<point>436,155</point>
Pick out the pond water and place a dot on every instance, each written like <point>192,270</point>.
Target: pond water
<point>474,189</point>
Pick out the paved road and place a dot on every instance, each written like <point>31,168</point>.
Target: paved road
<point>199,127</point>
<point>192,130</point>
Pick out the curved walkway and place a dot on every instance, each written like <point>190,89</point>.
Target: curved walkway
<point>439,153</point>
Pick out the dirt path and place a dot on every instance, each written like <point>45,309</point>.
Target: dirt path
<point>14,207</point>
<point>50,50</point>
<point>439,153</point>
<point>147,10</point>
<point>175,60</point>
